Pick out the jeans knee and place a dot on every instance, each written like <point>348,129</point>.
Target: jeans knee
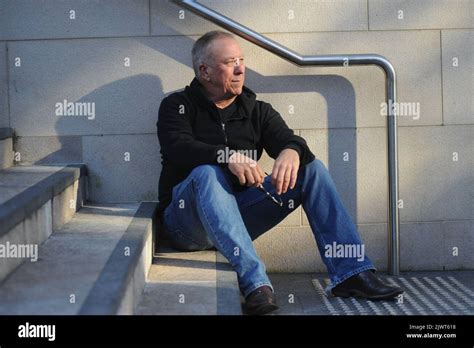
<point>209,173</point>
<point>316,166</point>
<point>206,170</point>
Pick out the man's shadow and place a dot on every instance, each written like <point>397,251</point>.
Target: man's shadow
<point>118,106</point>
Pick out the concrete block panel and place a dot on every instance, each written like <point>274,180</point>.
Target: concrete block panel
<point>289,249</point>
<point>374,237</point>
<point>6,153</point>
<point>39,225</point>
<point>46,150</point>
<point>4,117</point>
<point>421,247</point>
<point>30,19</point>
<point>294,249</point>
<point>420,14</point>
<point>458,76</point>
<point>32,231</point>
<point>122,167</point>
<point>16,236</point>
<point>356,160</point>
<point>65,204</point>
<point>435,170</point>
<point>263,16</point>
<point>91,86</point>
<point>317,97</point>
<point>424,246</point>
<point>459,244</point>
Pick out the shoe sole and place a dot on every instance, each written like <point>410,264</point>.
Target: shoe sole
<point>262,310</point>
<point>359,294</point>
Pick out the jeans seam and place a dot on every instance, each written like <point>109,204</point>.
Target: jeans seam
<point>317,233</point>
<point>327,259</point>
<point>256,286</point>
<point>215,235</point>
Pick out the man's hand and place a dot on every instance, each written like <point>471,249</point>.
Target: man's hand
<point>246,169</point>
<point>285,170</point>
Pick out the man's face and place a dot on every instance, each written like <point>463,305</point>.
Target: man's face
<point>226,68</point>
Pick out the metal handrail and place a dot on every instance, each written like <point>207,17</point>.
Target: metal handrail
<point>333,60</point>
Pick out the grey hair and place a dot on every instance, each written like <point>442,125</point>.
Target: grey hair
<point>201,46</point>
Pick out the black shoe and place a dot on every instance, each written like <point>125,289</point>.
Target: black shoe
<point>260,301</point>
<point>366,285</point>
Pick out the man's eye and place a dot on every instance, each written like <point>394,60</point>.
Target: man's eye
<point>236,61</point>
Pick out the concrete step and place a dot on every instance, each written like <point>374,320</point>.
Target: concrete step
<point>190,283</point>
<point>94,264</point>
<point>35,200</point>
<point>6,148</point>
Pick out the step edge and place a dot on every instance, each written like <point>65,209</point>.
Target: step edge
<point>227,288</point>
<point>106,295</point>
<point>18,208</point>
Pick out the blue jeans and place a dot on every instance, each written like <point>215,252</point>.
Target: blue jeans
<point>206,212</point>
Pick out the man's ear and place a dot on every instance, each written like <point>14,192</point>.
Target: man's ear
<point>204,70</point>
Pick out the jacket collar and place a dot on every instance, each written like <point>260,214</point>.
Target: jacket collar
<point>245,101</point>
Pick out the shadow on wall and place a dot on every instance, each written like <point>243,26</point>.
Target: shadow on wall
<point>105,157</point>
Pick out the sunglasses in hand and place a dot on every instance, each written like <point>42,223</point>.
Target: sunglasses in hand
<point>275,200</point>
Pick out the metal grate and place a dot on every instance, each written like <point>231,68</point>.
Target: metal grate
<point>424,295</point>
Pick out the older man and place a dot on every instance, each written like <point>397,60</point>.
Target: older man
<point>213,193</point>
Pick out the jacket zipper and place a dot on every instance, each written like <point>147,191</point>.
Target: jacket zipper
<point>223,129</point>
<point>225,135</point>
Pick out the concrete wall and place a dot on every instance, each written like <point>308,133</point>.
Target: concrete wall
<point>126,55</point>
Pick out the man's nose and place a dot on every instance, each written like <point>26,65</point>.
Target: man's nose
<point>239,69</point>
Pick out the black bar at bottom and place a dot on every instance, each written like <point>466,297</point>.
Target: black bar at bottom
<point>139,330</point>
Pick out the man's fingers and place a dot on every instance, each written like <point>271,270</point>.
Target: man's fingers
<point>250,178</point>
<point>261,174</point>
<point>249,175</point>
<point>294,176</point>
<point>280,180</point>
<point>274,176</point>
<point>257,176</point>
<point>286,179</point>
<point>242,179</point>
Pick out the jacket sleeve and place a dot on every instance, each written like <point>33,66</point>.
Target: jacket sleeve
<point>277,136</point>
<point>177,141</point>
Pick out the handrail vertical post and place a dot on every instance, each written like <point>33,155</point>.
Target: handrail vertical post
<point>392,153</point>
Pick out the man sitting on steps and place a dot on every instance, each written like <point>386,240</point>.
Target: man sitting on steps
<point>209,199</point>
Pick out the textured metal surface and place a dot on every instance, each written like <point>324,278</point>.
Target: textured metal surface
<point>426,293</point>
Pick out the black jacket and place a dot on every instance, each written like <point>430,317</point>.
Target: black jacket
<point>191,134</point>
